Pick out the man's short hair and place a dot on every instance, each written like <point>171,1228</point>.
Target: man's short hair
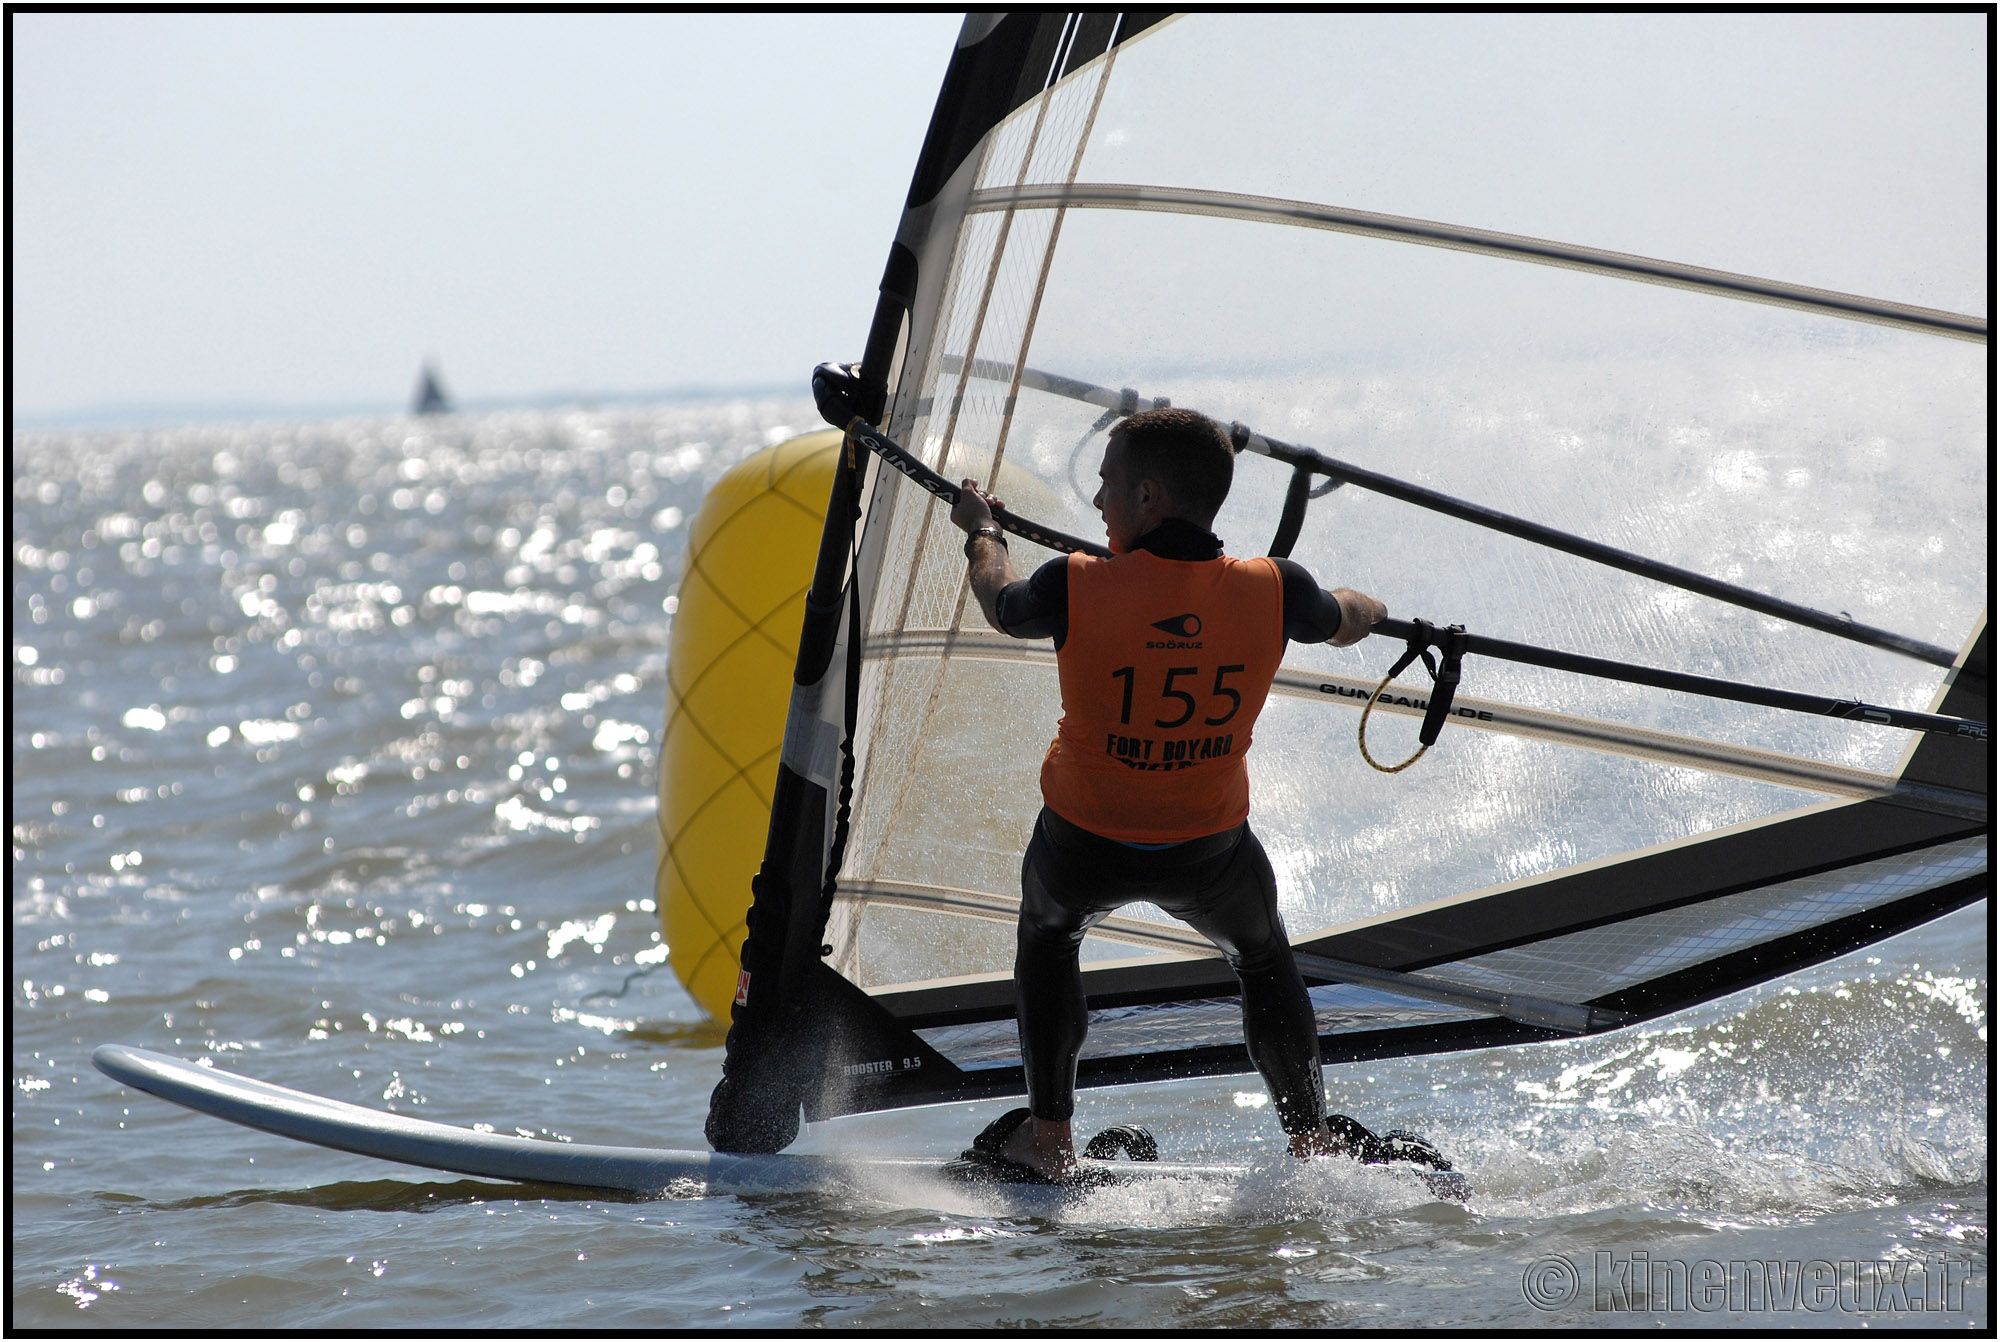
<point>1184,450</point>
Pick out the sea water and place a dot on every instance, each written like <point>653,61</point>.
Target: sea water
<point>333,762</point>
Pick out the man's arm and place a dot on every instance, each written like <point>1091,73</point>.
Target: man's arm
<point>989,567</point>
<point>1342,617</point>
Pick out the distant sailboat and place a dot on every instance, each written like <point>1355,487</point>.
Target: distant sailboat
<point>430,398</point>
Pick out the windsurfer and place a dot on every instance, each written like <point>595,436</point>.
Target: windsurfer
<point>1165,652</point>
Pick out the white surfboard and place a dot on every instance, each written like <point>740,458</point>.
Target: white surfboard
<point>490,1155</point>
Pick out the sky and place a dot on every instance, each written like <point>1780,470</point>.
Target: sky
<point>295,211</point>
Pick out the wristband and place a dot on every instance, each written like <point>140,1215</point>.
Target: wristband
<point>988,530</point>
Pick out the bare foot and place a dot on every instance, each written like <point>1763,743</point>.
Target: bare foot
<point>1324,1142</point>
<point>1338,1135</point>
<point>1043,1146</point>
<point>1320,1143</point>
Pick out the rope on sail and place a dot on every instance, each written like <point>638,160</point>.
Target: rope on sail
<point>1361,734</point>
<point>1444,688</point>
<point>1295,456</point>
<point>1850,709</point>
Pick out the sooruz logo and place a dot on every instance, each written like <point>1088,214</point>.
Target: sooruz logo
<point>1182,627</point>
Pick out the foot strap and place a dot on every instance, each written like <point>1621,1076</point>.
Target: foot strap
<point>1130,1138</point>
<point>1396,1145</point>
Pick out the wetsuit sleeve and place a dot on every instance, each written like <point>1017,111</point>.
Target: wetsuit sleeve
<point>1037,606</point>
<point>1311,614</point>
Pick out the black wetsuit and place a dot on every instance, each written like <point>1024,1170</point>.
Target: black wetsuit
<point>1221,885</point>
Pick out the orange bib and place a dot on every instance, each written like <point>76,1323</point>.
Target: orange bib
<point>1165,669</point>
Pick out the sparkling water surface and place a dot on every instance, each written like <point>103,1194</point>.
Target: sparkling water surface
<point>333,761</point>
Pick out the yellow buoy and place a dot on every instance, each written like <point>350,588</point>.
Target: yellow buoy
<point>730,655</point>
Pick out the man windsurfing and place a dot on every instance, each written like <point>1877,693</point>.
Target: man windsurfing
<point>1166,652</point>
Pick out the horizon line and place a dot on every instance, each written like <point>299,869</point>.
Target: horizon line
<point>177,414</point>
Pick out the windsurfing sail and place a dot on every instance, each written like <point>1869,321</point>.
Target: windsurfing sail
<point>1657,340</point>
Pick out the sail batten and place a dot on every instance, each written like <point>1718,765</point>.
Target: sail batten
<point>1487,242</point>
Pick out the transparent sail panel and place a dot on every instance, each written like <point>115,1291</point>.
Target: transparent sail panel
<point>1477,811</point>
<point>1838,150</point>
<point>954,805</point>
